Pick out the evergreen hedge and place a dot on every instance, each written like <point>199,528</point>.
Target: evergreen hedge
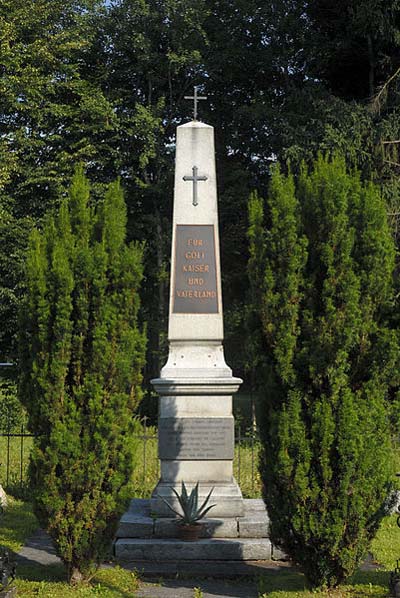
<point>322,260</point>
<point>81,359</point>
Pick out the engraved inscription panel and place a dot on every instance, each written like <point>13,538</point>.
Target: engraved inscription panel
<point>195,276</point>
<point>195,438</point>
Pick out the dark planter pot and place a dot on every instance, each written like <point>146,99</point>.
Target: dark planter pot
<point>189,533</point>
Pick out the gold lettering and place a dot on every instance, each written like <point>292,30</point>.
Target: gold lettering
<point>194,255</point>
<point>195,242</point>
<point>196,294</point>
<point>195,281</point>
<point>195,268</point>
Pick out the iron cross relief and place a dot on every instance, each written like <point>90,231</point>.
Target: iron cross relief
<point>196,98</point>
<point>195,178</point>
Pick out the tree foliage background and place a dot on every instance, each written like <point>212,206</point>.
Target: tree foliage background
<point>104,83</point>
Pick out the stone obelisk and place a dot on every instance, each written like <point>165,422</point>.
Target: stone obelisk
<point>195,387</point>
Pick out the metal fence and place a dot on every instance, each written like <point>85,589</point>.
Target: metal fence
<point>15,447</point>
<point>14,456</point>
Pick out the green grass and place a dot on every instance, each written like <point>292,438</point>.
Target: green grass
<point>386,546</point>
<point>112,582</point>
<point>17,524</point>
<point>245,468</point>
<point>372,584</point>
<point>147,473</point>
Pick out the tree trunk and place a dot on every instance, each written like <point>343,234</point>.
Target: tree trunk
<point>371,73</point>
<point>75,576</point>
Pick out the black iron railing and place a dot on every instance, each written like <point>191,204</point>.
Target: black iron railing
<point>16,443</point>
<point>14,456</point>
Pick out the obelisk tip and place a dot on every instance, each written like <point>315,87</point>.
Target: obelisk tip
<point>195,124</point>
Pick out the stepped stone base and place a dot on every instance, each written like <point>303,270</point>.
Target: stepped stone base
<point>141,537</point>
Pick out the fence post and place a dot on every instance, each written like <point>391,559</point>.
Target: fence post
<point>21,455</point>
<point>8,449</point>
<point>239,445</point>
<point>252,462</point>
<point>144,449</point>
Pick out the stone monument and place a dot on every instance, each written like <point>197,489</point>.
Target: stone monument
<point>195,387</point>
<point>196,426</point>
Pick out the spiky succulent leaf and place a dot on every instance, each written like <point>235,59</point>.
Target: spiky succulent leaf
<point>182,499</point>
<point>189,504</point>
<point>202,514</point>
<point>202,510</point>
<point>192,503</point>
<point>169,506</point>
<point>206,499</point>
<point>196,497</point>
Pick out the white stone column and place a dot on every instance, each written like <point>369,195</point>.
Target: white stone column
<point>196,426</point>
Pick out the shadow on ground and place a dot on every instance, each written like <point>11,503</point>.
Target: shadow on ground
<point>210,588</point>
<point>38,561</point>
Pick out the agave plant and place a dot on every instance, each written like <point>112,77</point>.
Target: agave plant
<point>191,512</point>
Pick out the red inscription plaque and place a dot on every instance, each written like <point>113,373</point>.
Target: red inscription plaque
<point>195,277</point>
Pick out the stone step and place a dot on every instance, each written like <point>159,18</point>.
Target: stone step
<point>137,523</point>
<point>205,569</point>
<point>142,506</point>
<point>211,528</point>
<point>132,526</point>
<point>168,549</point>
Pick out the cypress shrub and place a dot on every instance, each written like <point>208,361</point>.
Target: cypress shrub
<point>323,259</point>
<point>81,359</point>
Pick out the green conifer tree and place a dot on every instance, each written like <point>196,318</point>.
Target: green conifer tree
<point>81,359</point>
<point>326,285</point>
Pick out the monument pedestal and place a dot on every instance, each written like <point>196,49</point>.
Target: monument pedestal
<point>196,441</point>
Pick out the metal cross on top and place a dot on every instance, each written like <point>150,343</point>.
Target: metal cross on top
<point>195,178</point>
<point>196,98</point>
